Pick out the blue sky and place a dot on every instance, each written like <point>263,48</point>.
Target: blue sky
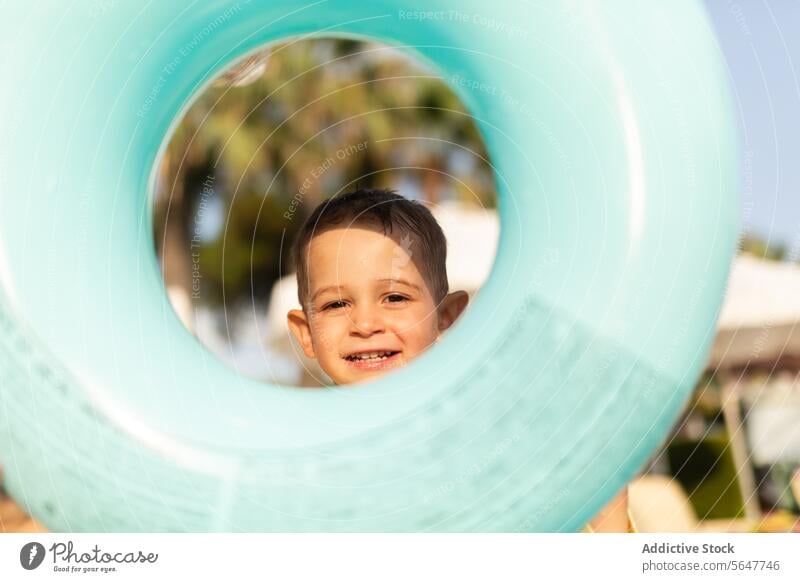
<point>760,41</point>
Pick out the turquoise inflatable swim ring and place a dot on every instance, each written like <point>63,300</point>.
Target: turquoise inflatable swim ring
<point>610,129</point>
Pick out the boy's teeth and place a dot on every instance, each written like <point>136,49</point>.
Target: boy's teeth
<point>371,356</point>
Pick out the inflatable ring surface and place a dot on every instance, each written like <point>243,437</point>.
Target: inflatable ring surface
<point>611,135</point>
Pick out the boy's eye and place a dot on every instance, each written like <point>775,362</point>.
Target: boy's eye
<point>334,305</point>
<point>395,298</point>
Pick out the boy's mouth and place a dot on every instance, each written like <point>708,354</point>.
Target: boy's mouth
<point>373,360</point>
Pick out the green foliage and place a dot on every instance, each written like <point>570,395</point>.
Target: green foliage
<point>762,249</point>
<point>707,472</point>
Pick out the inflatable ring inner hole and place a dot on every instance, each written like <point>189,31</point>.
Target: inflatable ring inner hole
<point>273,134</point>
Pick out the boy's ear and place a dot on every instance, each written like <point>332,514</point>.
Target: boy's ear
<point>298,323</point>
<point>451,308</point>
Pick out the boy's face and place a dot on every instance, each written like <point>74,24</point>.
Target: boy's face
<point>368,309</point>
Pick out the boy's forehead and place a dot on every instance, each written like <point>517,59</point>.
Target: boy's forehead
<point>359,252</point>
<point>357,240</point>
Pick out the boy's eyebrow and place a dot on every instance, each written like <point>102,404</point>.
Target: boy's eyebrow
<point>324,289</point>
<point>401,281</point>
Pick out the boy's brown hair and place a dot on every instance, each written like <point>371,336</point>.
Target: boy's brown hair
<point>386,209</point>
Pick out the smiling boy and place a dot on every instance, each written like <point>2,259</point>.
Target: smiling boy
<point>372,283</point>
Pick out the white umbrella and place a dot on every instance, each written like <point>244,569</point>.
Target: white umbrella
<point>760,318</point>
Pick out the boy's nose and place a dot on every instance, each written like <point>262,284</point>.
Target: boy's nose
<point>365,321</point>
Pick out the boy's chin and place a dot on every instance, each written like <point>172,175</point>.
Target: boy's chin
<point>354,374</point>
<point>362,376</point>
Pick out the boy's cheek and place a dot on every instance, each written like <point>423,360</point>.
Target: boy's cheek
<point>322,339</point>
<point>317,341</point>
